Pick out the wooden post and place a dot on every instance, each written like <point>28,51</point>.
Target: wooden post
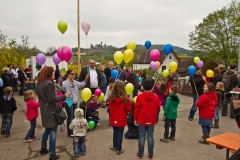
<point>78,21</point>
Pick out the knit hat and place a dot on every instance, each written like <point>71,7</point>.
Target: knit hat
<point>78,112</point>
<point>148,84</point>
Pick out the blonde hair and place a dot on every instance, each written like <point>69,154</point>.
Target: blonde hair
<point>221,86</point>
<point>58,88</point>
<point>28,95</point>
<point>7,90</point>
<point>4,70</point>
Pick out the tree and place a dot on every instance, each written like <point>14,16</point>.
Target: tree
<point>216,37</point>
<point>51,51</point>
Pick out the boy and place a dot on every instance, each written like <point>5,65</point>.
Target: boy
<point>7,107</point>
<point>79,126</point>
<point>170,114</point>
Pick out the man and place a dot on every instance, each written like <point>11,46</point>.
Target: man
<point>132,78</point>
<point>95,76</point>
<point>15,74</point>
<point>108,70</point>
<point>230,81</point>
<point>22,78</point>
<point>104,80</point>
<point>197,82</point>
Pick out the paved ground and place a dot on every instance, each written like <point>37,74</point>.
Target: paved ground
<point>186,146</point>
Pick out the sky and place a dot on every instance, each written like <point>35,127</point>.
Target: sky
<point>113,22</point>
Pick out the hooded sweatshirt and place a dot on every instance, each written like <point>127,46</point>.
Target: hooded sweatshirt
<point>79,125</point>
<point>207,104</point>
<point>7,104</point>
<point>146,108</point>
<point>170,109</point>
<point>118,112</point>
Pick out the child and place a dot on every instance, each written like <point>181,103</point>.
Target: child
<point>145,112</point>
<point>120,105</point>
<point>170,114</point>
<point>207,104</point>
<point>58,92</point>
<point>32,114</point>
<point>7,108</point>
<point>79,126</point>
<point>220,94</point>
<point>88,114</point>
<point>93,104</point>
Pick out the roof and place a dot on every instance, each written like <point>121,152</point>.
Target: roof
<point>184,64</point>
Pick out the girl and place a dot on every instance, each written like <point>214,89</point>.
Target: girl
<point>32,114</point>
<point>207,104</point>
<point>93,104</point>
<point>220,94</point>
<point>120,105</point>
<point>58,92</point>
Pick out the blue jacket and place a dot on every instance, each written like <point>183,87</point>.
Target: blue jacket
<point>104,80</point>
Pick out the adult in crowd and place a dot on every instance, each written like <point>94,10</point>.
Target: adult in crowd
<point>230,81</point>
<point>7,77</point>
<point>143,75</point>
<point>104,79</point>
<point>28,72</point>
<point>175,79</point>
<point>48,101</point>
<point>236,105</point>
<point>22,78</point>
<point>95,76</point>
<point>57,73</point>
<point>72,86</point>
<point>197,82</point>
<point>121,73</point>
<point>14,70</point>
<point>217,76</point>
<point>132,78</point>
<point>108,70</point>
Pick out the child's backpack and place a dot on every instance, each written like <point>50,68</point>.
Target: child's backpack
<point>226,80</point>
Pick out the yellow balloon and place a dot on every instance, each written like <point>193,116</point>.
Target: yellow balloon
<point>118,57</point>
<point>131,45</point>
<point>196,59</point>
<point>135,99</point>
<point>86,94</point>
<point>129,88</point>
<point>101,97</point>
<point>165,73</point>
<point>210,73</point>
<point>172,66</point>
<point>128,55</point>
<point>62,26</point>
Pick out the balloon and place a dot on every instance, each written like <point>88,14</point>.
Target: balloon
<point>118,57</point>
<point>153,65</point>
<point>66,53</point>
<point>165,73</point>
<point>62,26</point>
<point>167,49</point>
<point>40,58</point>
<point>172,66</point>
<point>129,88</point>
<point>101,97</point>
<point>200,64</point>
<point>38,67</point>
<point>158,64</point>
<point>59,53</point>
<point>128,55</point>
<point>114,74</point>
<point>191,70</point>
<point>91,124</point>
<point>131,45</point>
<point>86,27</point>
<point>154,55</point>
<point>148,44</point>
<point>135,99</point>
<point>63,70</point>
<point>86,94</point>
<point>1,82</point>
<point>196,59</point>
<point>210,73</point>
<point>98,92</point>
<point>56,59</point>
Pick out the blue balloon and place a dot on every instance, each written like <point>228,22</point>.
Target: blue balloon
<point>114,74</point>
<point>1,82</point>
<point>148,44</point>
<point>191,70</point>
<point>167,49</point>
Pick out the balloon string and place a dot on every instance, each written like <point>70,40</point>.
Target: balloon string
<point>62,39</point>
<point>86,42</point>
<point>145,57</point>
<point>156,78</point>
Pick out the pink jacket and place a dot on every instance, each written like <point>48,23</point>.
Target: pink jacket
<point>59,94</point>
<point>32,109</point>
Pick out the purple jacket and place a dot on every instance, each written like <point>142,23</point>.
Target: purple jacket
<point>161,96</point>
<point>94,106</point>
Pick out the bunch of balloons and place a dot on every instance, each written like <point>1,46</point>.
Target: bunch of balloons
<point>128,54</point>
<point>64,54</point>
<point>198,62</point>
<point>154,55</point>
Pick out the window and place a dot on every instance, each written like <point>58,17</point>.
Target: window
<point>170,57</point>
<point>163,68</point>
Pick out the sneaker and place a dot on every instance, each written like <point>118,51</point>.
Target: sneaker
<point>150,157</point>
<point>190,119</point>
<point>7,136</point>
<point>43,151</point>
<point>171,138</point>
<point>35,138</point>
<point>2,132</point>
<point>28,140</point>
<point>139,157</point>
<point>82,154</point>
<point>113,148</point>
<point>98,124</point>
<point>164,140</point>
<point>120,152</point>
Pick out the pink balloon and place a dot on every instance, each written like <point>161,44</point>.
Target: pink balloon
<point>66,53</point>
<point>86,27</point>
<point>200,64</point>
<point>56,59</point>
<point>40,58</point>
<point>59,53</point>
<point>154,55</point>
<point>98,92</point>
<point>153,65</point>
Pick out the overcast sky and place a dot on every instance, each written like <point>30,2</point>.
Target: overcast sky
<point>114,22</point>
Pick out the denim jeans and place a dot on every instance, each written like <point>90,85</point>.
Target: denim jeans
<point>6,122</point>
<point>117,137</point>
<point>79,145</point>
<point>141,141</point>
<point>52,140</point>
<point>31,132</point>
<point>70,115</point>
<point>129,135</point>
<point>194,108</point>
<point>206,129</point>
<point>216,112</point>
<point>169,123</point>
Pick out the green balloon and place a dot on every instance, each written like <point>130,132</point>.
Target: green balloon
<point>62,26</point>
<point>91,124</point>
<point>63,70</point>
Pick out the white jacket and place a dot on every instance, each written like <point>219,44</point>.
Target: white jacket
<point>79,126</point>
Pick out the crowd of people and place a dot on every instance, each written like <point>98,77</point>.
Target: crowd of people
<point>53,88</point>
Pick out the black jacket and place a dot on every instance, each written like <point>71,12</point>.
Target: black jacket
<point>132,78</point>
<point>217,78</point>
<point>197,82</point>
<point>7,104</point>
<point>8,80</point>
<point>21,76</point>
<point>107,72</point>
<point>83,74</point>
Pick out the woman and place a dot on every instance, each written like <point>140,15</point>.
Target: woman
<point>7,77</point>
<point>46,93</point>
<point>72,86</point>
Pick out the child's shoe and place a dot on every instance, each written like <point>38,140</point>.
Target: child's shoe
<point>171,138</point>
<point>61,128</point>
<point>165,140</point>
<point>83,154</point>
<point>54,157</point>
<point>150,157</point>
<point>113,148</point>
<point>2,132</point>
<point>43,150</point>
<point>120,152</point>
<point>28,140</point>
<point>139,157</point>
<point>35,138</point>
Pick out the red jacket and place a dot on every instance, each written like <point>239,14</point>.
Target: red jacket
<point>207,104</point>
<point>32,109</point>
<point>146,108</point>
<point>118,112</point>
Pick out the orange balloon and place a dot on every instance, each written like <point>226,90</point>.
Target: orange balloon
<point>158,64</point>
